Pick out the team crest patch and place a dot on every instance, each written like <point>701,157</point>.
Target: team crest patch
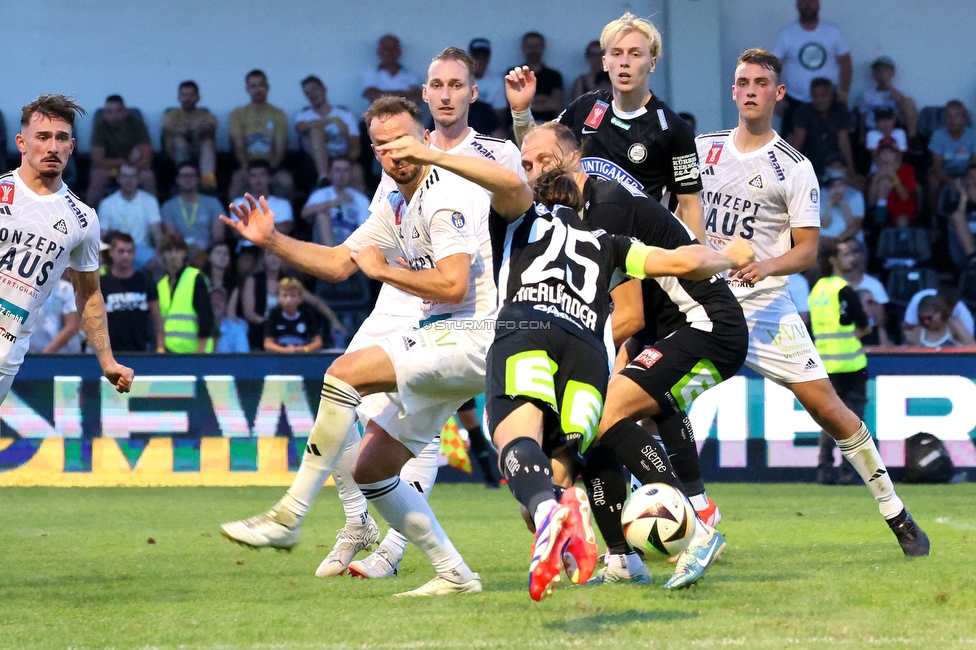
<point>7,192</point>
<point>814,195</point>
<point>714,153</point>
<point>756,182</point>
<point>61,227</point>
<point>596,114</point>
<point>648,357</point>
<point>457,219</point>
<point>637,153</point>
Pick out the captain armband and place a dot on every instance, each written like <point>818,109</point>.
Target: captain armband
<point>636,256</point>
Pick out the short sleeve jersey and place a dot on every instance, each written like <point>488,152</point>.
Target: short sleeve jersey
<point>761,196</point>
<point>504,152</point>
<point>260,127</point>
<point>651,149</point>
<point>127,307</point>
<point>956,154</point>
<point>40,236</point>
<point>669,302</point>
<point>447,215</point>
<point>177,123</point>
<point>807,55</point>
<point>554,268</point>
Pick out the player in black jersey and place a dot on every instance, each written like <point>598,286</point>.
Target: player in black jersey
<point>549,356</point>
<point>628,135</point>
<point>704,339</point>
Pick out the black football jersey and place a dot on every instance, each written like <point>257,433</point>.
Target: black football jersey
<point>669,302</point>
<point>651,149</point>
<point>553,268</point>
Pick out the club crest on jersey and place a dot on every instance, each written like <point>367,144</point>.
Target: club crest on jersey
<point>756,182</point>
<point>648,357</point>
<point>637,153</point>
<point>7,192</point>
<point>714,153</point>
<point>457,219</point>
<point>596,114</point>
<point>62,227</point>
<point>814,195</point>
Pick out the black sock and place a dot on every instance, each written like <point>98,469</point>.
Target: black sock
<point>607,490</point>
<point>641,453</point>
<point>528,472</point>
<point>679,441</point>
<point>481,452</point>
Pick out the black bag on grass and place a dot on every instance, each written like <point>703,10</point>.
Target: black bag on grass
<point>927,460</point>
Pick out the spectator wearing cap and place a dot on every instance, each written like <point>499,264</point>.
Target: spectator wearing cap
<point>596,78</point>
<point>886,95</point>
<point>822,127</point>
<point>841,209</point>
<point>885,133</point>
<point>491,85</point>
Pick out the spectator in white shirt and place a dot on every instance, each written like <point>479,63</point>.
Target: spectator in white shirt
<point>134,212</point>
<point>337,210</point>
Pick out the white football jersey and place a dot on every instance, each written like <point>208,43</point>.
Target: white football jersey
<point>391,301</point>
<point>40,235</point>
<point>760,195</point>
<point>446,216</point>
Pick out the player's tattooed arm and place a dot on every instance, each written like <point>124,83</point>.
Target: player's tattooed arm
<point>94,322</point>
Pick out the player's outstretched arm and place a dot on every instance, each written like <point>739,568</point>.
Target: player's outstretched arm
<point>511,196</point>
<point>693,262</point>
<point>255,222</point>
<point>91,306</point>
<point>520,86</point>
<point>448,281</point>
<point>798,259</point>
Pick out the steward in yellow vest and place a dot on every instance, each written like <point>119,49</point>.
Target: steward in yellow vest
<point>184,302</point>
<point>837,321</point>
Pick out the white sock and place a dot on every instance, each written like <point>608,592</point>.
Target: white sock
<point>542,511</point>
<point>405,510</point>
<point>624,566</point>
<point>420,474</point>
<point>335,417</point>
<point>353,501</point>
<point>862,453</point>
<point>699,501</point>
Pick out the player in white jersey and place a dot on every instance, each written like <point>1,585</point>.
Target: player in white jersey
<point>417,368</point>
<point>45,228</point>
<point>759,187</point>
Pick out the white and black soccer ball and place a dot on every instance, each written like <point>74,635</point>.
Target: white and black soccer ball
<point>658,520</point>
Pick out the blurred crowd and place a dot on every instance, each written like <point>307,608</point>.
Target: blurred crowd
<point>898,188</point>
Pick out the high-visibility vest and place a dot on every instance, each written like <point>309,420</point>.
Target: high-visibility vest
<point>838,345</point>
<point>180,327</point>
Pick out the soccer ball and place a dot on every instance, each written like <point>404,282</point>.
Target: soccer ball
<point>658,520</point>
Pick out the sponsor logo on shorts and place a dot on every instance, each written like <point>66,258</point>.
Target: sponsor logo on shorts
<point>4,334</point>
<point>596,114</point>
<point>647,358</point>
<point>408,342</point>
<point>714,153</point>
<point>811,364</point>
<point>457,219</point>
<point>7,192</point>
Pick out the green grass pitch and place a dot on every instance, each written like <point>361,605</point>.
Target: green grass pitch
<point>807,567</point>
